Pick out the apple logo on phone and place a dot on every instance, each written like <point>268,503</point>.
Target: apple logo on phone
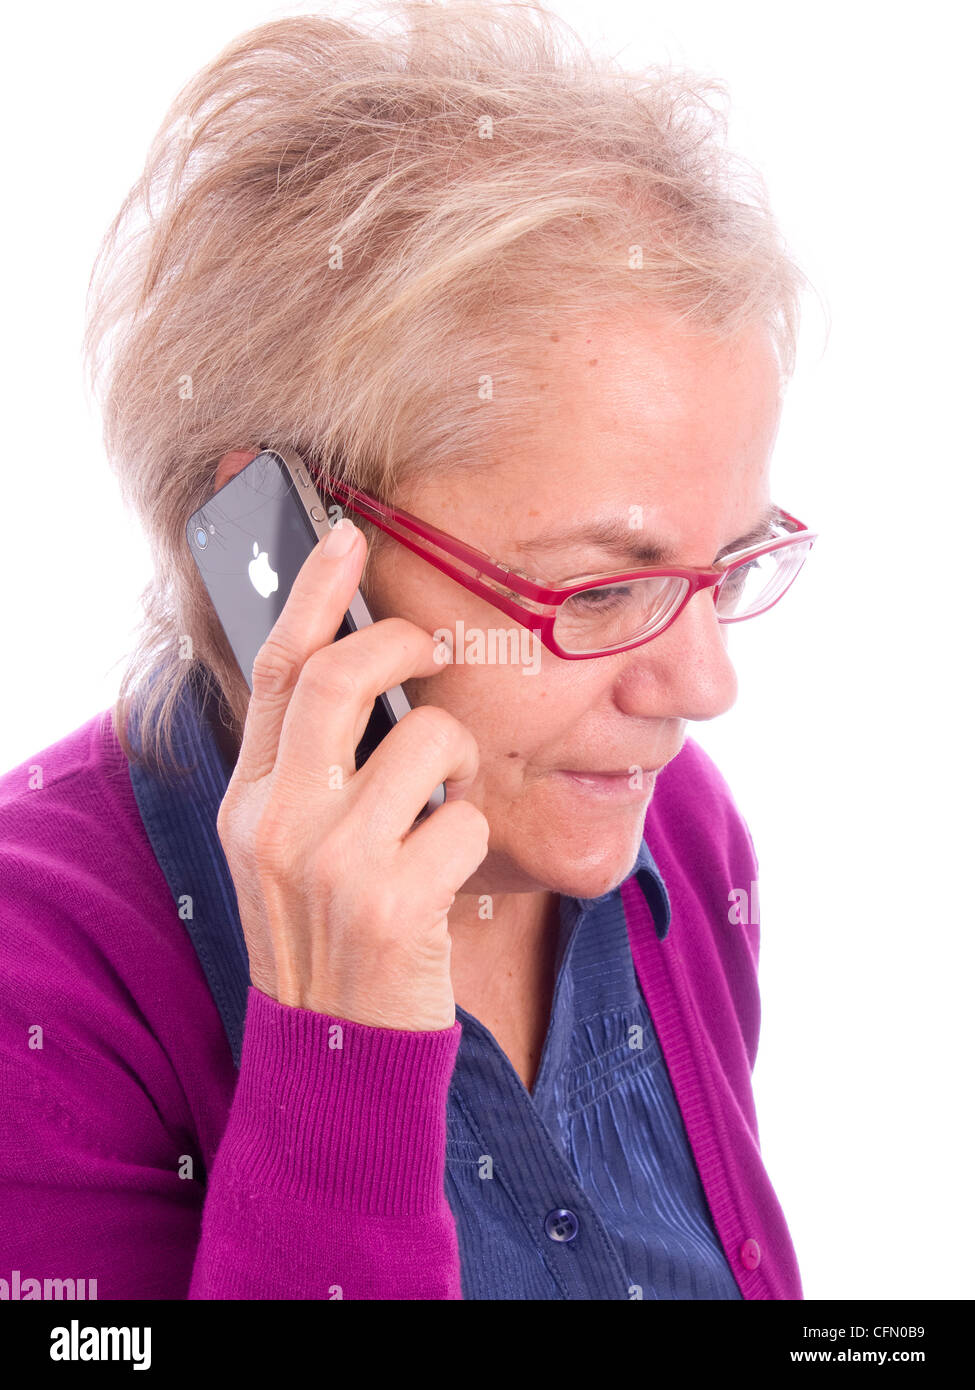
<point>260,573</point>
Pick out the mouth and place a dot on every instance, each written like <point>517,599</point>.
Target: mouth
<point>626,786</point>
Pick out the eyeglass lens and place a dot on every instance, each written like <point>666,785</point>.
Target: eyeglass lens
<point>615,614</point>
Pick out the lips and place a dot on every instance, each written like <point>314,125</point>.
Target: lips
<point>613,772</point>
<point>610,788</point>
<point>615,783</point>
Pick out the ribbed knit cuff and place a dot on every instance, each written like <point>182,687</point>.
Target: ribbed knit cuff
<point>340,1114</point>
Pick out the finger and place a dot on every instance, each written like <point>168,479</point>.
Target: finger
<point>309,620</point>
<point>426,747</point>
<point>442,853</point>
<point>334,695</point>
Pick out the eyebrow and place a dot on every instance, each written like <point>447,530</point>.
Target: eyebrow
<point>617,536</point>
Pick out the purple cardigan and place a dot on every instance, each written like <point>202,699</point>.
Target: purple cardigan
<point>133,1153</point>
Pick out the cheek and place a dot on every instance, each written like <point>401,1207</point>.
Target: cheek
<point>514,715</point>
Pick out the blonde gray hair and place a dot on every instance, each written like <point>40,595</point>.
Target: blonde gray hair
<point>343,228</point>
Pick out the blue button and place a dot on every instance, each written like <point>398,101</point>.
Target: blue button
<point>561,1224</point>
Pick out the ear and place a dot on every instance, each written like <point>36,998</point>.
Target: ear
<point>231,464</point>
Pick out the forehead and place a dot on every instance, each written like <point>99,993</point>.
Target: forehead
<point>627,397</point>
<point>627,417</point>
<point>637,409</point>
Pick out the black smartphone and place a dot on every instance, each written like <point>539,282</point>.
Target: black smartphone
<point>249,542</point>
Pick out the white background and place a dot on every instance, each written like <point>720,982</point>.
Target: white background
<point>849,750</point>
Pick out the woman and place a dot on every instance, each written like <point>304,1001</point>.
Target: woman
<point>262,1038</point>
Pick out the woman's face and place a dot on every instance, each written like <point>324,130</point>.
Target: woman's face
<point>634,422</point>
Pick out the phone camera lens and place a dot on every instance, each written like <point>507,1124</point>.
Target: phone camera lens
<point>201,537</point>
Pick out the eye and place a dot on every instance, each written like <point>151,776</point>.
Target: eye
<point>737,577</point>
<point>591,600</point>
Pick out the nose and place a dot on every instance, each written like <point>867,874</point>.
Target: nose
<point>685,673</point>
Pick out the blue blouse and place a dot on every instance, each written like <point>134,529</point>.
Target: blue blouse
<point>586,1187</point>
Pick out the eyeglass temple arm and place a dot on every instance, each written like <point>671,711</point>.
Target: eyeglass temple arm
<point>393,521</point>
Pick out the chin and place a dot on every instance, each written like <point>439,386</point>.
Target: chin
<point>577,881</point>
<point>581,859</point>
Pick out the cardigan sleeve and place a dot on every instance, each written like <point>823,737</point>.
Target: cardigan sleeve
<point>328,1181</point>
<point>100,1174</point>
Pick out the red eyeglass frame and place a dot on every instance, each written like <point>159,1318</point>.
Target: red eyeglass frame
<point>540,615</point>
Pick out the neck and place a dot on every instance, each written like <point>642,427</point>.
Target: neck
<point>503,969</point>
<point>482,923</point>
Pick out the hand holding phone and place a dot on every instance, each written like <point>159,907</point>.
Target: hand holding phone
<point>344,907</point>
<point>343,899</point>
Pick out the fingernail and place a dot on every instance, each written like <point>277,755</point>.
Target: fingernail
<point>340,539</point>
